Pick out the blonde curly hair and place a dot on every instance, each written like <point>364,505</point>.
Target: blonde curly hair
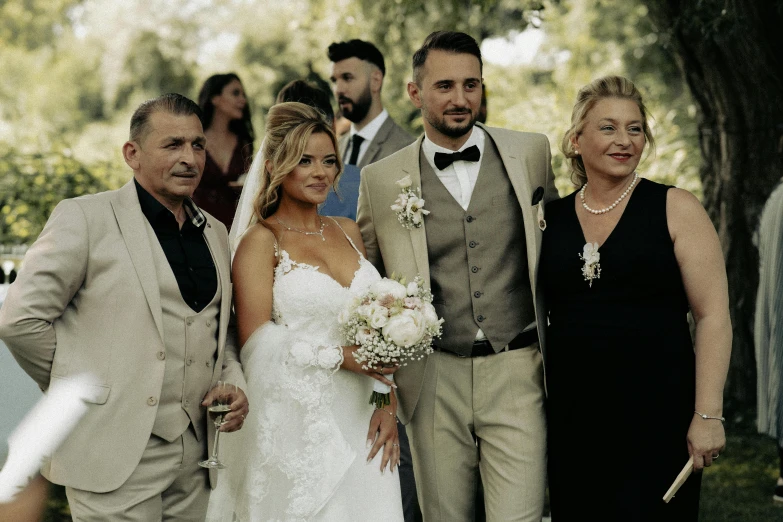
<point>288,128</point>
<point>588,96</point>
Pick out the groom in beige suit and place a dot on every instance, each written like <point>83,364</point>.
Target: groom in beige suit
<point>133,287</point>
<point>476,405</point>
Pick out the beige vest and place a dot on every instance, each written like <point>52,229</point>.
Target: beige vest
<point>478,258</point>
<point>191,348</point>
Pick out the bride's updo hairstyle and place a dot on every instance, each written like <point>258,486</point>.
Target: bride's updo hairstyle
<point>588,96</point>
<point>288,128</point>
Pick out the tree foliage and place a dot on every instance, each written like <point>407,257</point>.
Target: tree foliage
<point>32,185</point>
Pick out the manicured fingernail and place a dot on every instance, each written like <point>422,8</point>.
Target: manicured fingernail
<point>394,386</point>
<point>369,444</point>
<point>383,471</point>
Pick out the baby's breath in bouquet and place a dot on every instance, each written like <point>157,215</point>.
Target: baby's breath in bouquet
<point>392,323</point>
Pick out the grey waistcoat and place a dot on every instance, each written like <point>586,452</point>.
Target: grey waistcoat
<point>478,258</point>
<point>191,347</point>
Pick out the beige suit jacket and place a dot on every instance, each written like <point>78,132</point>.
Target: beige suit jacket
<point>389,139</point>
<point>87,301</point>
<point>394,249</point>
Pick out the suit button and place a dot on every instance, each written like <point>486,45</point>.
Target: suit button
<point>209,364</point>
<point>476,294</point>
<point>472,244</point>
<point>189,361</point>
<point>152,401</point>
<point>209,323</point>
<point>474,269</point>
<point>480,318</point>
<point>189,321</point>
<point>161,355</point>
<point>469,219</point>
<point>187,404</point>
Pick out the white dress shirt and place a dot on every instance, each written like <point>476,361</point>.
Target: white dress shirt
<point>459,178</point>
<point>368,132</point>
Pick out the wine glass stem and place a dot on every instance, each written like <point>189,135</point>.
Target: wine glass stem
<point>218,422</point>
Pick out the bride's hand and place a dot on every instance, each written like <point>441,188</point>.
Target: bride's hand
<point>383,435</point>
<point>350,364</point>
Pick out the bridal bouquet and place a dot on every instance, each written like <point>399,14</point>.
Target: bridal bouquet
<point>392,323</point>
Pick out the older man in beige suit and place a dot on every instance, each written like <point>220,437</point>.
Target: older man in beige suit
<point>133,287</point>
<point>476,405</point>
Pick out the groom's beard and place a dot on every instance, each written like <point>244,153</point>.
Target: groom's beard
<point>456,130</point>
<point>358,109</point>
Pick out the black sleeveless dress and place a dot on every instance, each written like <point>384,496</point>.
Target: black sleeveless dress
<point>620,368</point>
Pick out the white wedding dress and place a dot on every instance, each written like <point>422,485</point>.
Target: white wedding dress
<point>301,454</point>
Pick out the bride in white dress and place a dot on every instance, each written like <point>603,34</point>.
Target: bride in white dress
<point>312,447</point>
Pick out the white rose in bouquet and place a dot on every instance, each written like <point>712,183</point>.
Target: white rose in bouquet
<point>412,288</point>
<point>389,287</point>
<point>379,315</point>
<point>406,328</point>
<point>430,315</point>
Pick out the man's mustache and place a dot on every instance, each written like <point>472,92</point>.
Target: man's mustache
<point>343,99</point>
<point>192,172</point>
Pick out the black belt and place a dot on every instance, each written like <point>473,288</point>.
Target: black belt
<point>484,347</point>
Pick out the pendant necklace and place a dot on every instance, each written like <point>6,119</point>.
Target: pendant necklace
<point>305,232</point>
<point>613,205</point>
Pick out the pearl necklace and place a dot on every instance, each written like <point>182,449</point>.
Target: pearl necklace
<point>617,201</point>
<point>305,232</point>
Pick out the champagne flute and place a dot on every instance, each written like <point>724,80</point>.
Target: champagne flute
<point>218,409</point>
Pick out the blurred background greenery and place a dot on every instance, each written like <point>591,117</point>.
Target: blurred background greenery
<point>710,70</point>
<point>74,70</point>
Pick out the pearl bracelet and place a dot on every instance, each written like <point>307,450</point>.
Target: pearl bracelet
<point>706,417</point>
<point>385,411</point>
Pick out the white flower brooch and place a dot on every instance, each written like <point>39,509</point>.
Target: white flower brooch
<point>592,268</point>
<point>409,206</point>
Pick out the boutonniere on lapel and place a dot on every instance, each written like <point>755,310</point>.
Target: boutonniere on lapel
<point>409,206</point>
<point>538,199</point>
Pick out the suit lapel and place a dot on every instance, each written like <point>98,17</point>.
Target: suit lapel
<point>513,158</point>
<point>370,155</point>
<point>418,236</point>
<point>220,257</point>
<point>343,145</point>
<point>134,232</point>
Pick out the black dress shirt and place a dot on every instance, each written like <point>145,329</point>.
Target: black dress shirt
<point>186,249</point>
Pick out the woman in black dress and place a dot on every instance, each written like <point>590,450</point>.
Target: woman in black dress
<point>230,136</point>
<point>623,261</point>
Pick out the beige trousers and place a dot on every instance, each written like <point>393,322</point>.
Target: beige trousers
<point>481,415</point>
<point>168,484</point>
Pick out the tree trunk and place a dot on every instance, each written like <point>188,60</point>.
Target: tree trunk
<point>729,52</point>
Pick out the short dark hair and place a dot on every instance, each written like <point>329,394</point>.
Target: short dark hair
<point>304,92</point>
<point>450,41</point>
<point>213,86</point>
<point>366,51</point>
<point>171,103</point>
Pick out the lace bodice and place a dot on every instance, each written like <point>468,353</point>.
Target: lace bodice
<point>309,301</point>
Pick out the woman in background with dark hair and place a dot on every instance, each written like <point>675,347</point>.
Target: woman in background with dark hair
<point>230,136</point>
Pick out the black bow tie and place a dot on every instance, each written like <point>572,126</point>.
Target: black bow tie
<point>443,160</point>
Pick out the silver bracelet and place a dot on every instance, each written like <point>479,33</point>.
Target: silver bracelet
<point>707,417</point>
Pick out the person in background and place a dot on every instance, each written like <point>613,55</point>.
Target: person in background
<point>304,92</point>
<point>230,136</point>
<point>133,286</point>
<point>768,331</point>
<point>623,261</point>
<point>357,75</point>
